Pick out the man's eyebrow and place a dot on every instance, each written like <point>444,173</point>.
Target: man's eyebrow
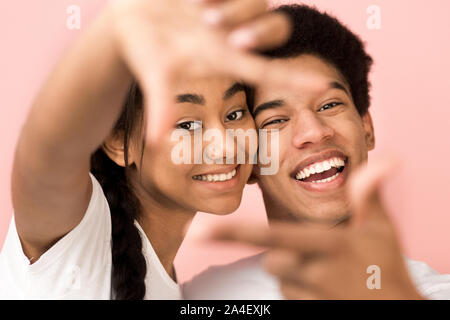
<point>191,98</point>
<point>231,91</point>
<point>280,103</point>
<point>339,86</point>
<point>268,105</point>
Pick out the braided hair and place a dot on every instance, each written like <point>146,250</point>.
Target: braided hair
<point>128,263</point>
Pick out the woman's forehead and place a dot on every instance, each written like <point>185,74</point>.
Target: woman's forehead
<point>205,85</point>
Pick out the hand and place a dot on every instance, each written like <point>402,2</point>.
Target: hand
<point>162,40</point>
<point>322,263</point>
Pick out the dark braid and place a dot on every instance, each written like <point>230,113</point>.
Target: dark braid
<point>128,263</point>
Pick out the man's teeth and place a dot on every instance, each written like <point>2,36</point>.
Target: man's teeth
<point>216,177</point>
<point>321,167</point>
<point>327,179</point>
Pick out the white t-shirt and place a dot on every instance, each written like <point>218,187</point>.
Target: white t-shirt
<point>246,279</point>
<point>79,265</point>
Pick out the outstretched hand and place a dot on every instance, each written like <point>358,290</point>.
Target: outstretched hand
<point>163,40</point>
<point>362,260</point>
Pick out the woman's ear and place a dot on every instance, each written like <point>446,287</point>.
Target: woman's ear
<point>114,149</point>
<point>369,131</point>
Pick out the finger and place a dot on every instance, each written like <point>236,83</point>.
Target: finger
<point>257,70</point>
<point>233,12</point>
<point>284,264</point>
<point>292,291</point>
<point>288,236</point>
<point>266,32</point>
<point>155,82</point>
<point>160,101</point>
<point>317,274</point>
<point>364,187</point>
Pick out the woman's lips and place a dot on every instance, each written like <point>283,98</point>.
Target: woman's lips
<point>220,184</point>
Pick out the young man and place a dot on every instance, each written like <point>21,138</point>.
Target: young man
<point>325,133</point>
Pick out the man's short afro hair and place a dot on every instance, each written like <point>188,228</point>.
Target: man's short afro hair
<point>324,36</point>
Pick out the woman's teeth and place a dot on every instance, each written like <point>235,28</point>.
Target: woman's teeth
<point>216,177</point>
<point>321,167</point>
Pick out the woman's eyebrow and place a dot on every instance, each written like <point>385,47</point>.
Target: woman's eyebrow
<point>199,99</point>
<point>191,98</point>
<point>231,91</point>
<point>268,105</point>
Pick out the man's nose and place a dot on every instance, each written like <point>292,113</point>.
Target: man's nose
<point>310,129</point>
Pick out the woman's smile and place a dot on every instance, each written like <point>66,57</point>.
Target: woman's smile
<point>221,179</point>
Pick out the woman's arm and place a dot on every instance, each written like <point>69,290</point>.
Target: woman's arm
<point>71,116</point>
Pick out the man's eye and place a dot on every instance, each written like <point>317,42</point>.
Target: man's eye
<point>276,121</point>
<point>190,125</point>
<point>330,106</point>
<point>236,115</point>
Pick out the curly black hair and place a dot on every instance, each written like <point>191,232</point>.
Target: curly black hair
<point>324,36</point>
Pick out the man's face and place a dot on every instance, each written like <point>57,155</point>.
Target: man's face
<point>322,138</point>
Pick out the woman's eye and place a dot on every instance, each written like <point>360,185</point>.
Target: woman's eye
<point>330,106</point>
<point>236,115</point>
<point>190,125</point>
<point>276,121</point>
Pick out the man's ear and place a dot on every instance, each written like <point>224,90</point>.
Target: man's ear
<point>369,131</point>
<point>114,149</point>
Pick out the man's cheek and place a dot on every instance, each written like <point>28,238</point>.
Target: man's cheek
<point>269,152</point>
<point>351,135</point>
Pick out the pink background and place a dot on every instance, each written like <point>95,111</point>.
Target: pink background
<point>410,109</point>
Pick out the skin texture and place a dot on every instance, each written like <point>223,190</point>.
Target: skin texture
<point>332,236</point>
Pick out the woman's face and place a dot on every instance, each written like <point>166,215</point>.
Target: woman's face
<point>196,167</point>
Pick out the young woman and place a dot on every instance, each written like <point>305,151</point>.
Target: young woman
<point>99,210</point>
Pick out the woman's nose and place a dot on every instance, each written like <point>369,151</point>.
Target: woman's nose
<point>221,147</point>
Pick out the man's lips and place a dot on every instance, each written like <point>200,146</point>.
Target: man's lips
<point>332,183</point>
<point>312,161</point>
<point>321,172</point>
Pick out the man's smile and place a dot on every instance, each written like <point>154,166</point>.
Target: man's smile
<point>321,172</point>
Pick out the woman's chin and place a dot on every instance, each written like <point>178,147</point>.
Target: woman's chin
<point>222,208</point>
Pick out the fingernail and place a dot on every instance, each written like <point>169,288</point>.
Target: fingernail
<point>213,16</point>
<point>243,38</point>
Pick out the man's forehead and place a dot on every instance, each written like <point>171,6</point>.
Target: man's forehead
<point>318,76</point>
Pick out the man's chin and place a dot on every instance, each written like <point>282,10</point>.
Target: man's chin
<point>327,218</point>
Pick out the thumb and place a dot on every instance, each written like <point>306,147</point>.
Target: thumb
<point>159,104</point>
<point>363,190</point>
